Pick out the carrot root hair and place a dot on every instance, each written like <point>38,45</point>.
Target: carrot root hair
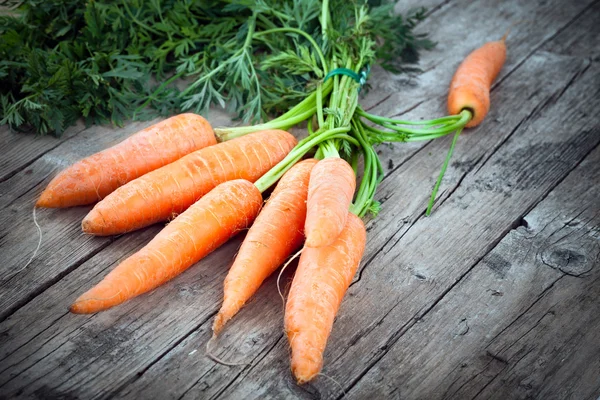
<point>334,381</point>
<point>39,244</point>
<point>292,258</point>
<point>503,38</point>
<point>218,360</point>
<point>75,307</point>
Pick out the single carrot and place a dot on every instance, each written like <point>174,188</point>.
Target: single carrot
<point>206,225</point>
<point>276,233</point>
<point>470,86</point>
<point>330,190</point>
<point>321,280</point>
<point>170,190</point>
<point>469,95</point>
<point>94,177</point>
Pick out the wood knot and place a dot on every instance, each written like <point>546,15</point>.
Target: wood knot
<point>566,260</point>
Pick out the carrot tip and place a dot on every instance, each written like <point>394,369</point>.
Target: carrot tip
<point>44,201</point>
<point>76,309</point>
<point>218,324</point>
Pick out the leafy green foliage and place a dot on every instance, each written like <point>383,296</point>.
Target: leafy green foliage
<point>107,61</point>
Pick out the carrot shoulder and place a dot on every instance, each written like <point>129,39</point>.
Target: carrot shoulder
<point>170,190</point>
<point>330,191</point>
<point>321,280</point>
<point>94,177</point>
<point>276,233</point>
<point>470,86</point>
<point>226,210</point>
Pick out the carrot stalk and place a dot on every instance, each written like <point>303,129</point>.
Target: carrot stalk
<point>330,190</point>
<point>96,176</point>
<point>469,94</point>
<point>227,209</point>
<point>276,233</point>
<point>170,190</point>
<point>442,172</point>
<point>321,280</point>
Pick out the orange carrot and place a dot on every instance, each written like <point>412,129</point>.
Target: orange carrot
<point>276,233</point>
<point>330,190</point>
<point>94,177</point>
<point>470,86</point>
<point>170,190</point>
<point>206,225</point>
<point>322,278</point>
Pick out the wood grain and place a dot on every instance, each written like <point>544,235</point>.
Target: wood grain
<point>63,247</point>
<point>26,148</point>
<point>523,323</point>
<point>542,125</point>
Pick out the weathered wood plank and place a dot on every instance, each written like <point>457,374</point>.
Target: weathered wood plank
<point>63,246</point>
<point>486,20</point>
<point>379,77</point>
<point>26,148</point>
<point>110,374</point>
<point>210,385</point>
<point>524,321</point>
<point>581,38</point>
<point>89,356</point>
<point>417,266</point>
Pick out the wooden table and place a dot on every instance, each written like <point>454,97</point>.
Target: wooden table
<point>496,295</point>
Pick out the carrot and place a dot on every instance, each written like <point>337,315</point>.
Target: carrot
<point>469,96</point>
<point>330,190</point>
<point>206,225</point>
<point>275,234</point>
<point>322,278</point>
<point>168,191</point>
<point>94,177</point>
<point>470,86</point>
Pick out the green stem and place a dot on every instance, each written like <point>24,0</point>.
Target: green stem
<point>299,113</point>
<point>413,135</point>
<point>373,172</point>
<point>329,150</point>
<point>231,133</point>
<point>442,172</point>
<point>378,119</point>
<point>320,117</point>
<point>319,154</point>
<point>308,101</point>
<point>303,147</point>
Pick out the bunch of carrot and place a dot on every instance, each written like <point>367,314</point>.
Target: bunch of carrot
<point>176,170</point>
<point>320,210</point>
